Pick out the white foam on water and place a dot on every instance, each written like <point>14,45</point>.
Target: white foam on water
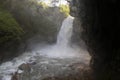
<point>60,52</point>
<point>10,67</point>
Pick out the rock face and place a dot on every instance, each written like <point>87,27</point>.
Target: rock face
<point>100,21</point>
<point>38,24</point>
<point>10,35</point>
<point>35,19</point>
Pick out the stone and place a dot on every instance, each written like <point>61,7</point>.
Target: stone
<point>25,67</point>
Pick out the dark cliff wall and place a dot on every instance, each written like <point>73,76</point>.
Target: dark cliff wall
<point>100,20</point>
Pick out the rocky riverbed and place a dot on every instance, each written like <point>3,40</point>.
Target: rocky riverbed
<point>60,61</point>
<point>37,66</point>
<point>47,69</point>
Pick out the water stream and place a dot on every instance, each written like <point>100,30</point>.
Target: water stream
<point>59,55</point>
<point>65,32</point>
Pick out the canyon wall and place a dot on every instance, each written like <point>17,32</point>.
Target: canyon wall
<point>26,22</point>
<point>100,21</point>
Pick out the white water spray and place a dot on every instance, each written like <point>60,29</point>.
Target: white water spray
<point>65,32</point>
<point>61,50</point>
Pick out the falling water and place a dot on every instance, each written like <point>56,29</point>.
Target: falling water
<point>61,50</point>
<point>65,32</point>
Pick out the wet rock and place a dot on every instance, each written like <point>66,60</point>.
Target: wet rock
<point>53,69</point>
<point>98,18</point>
<point>78,66</point>
<point>15,76</point>
<point>25,67</point>
<point>1,77</point>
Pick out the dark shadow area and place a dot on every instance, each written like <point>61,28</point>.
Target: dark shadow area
<point>100,20</point>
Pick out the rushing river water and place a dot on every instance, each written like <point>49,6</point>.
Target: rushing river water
<point>50,59</point>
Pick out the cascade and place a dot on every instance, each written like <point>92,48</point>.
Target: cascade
<point>65,32</point>
<point>60,51</point>
<point>62,48</point>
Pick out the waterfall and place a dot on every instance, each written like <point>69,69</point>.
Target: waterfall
<point>62,48</point>
<point>43,54</point>
<point>65,32</point>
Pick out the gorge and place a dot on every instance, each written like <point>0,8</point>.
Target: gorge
<point>39,42</point>
<point>43,59</point>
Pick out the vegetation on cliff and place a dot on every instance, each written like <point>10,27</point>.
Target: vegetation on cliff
<point>21,21</point>
<point>44,5</point>
<point>9,28</point>
<point>65,9</point>
<point>10,35</point>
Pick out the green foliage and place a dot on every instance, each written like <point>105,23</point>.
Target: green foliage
<point>43,4</point>
<point>9,28</point>
<point>65,9</point>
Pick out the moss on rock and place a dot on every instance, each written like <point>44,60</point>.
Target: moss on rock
<point>65,9</point>
<point>9,28</point>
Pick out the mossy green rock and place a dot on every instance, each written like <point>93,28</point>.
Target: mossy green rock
<point>10,36</point>
<point>9,28</point>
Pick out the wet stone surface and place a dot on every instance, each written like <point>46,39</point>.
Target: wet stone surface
<point>44,68</point>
